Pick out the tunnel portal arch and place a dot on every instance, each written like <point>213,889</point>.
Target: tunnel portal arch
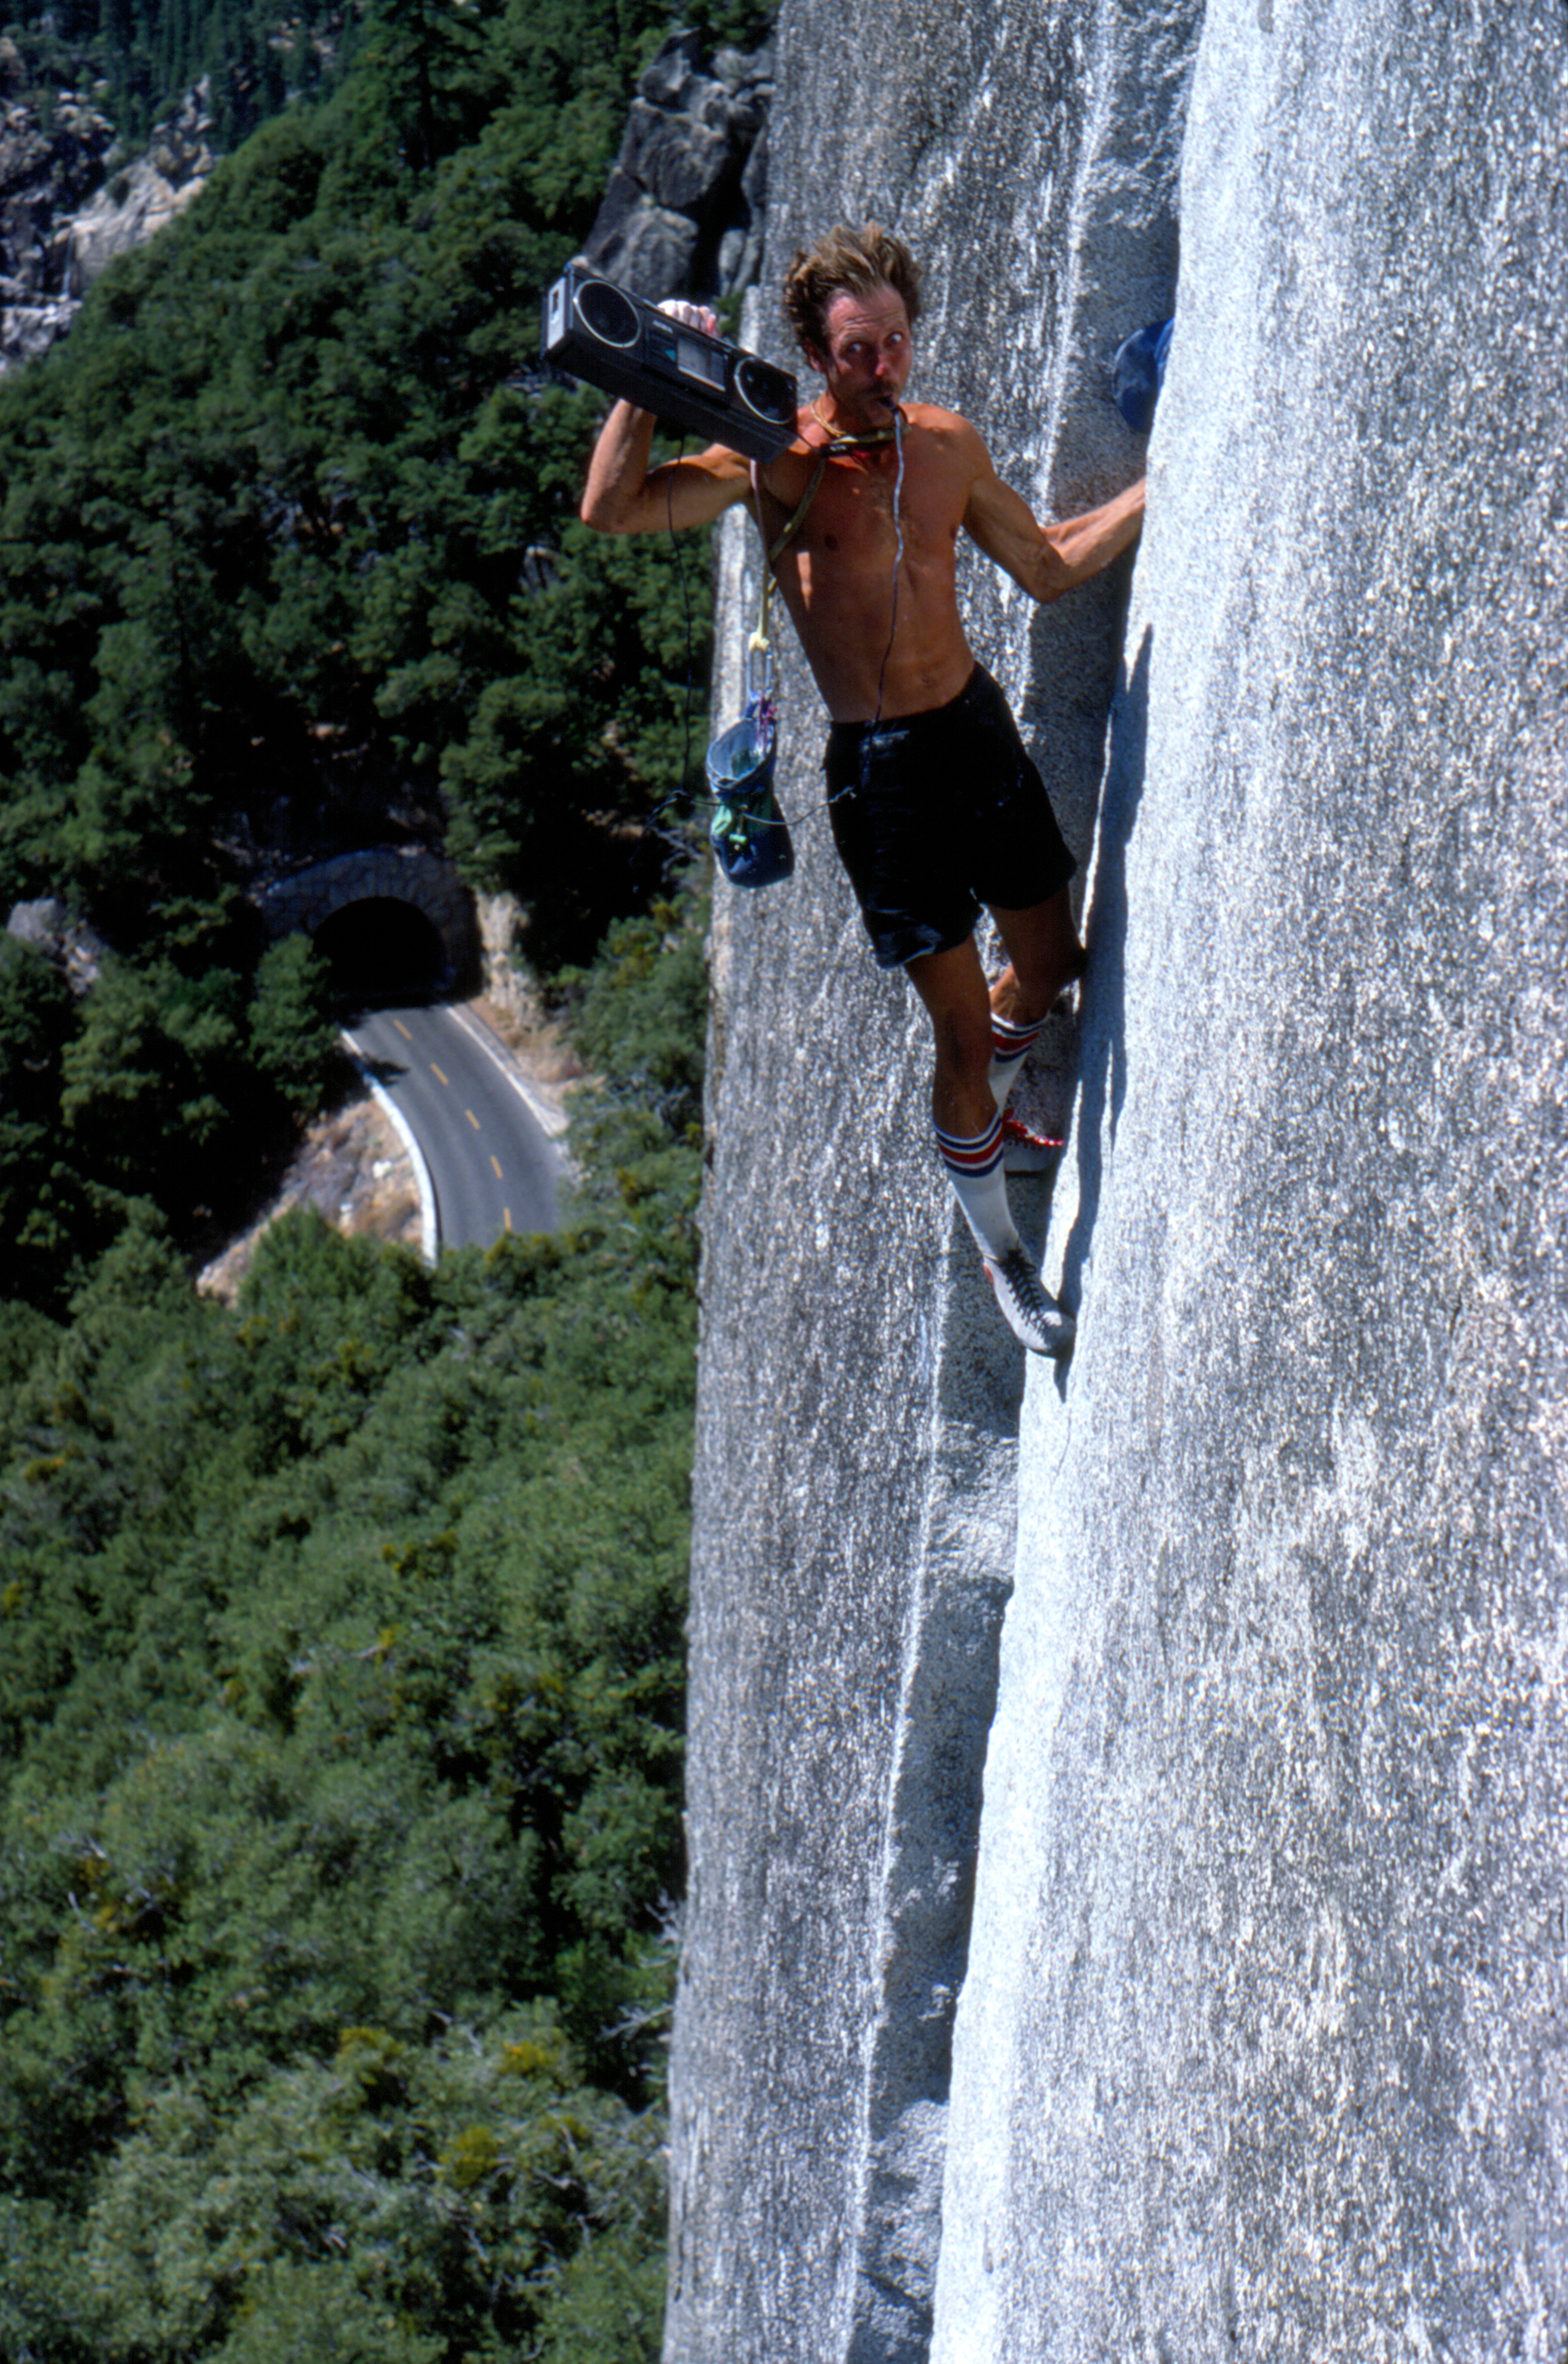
<point>411,876</point>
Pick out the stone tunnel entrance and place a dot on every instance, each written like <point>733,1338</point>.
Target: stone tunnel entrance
<point>381,951</point>
<point>396,922</point>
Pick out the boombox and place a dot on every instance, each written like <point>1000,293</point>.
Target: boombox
<point>700,384</point>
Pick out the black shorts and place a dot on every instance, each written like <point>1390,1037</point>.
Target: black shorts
<point>936,814</point>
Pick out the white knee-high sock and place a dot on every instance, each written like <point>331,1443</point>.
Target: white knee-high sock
<point>1010,1046</point>
<point>974,1168</point>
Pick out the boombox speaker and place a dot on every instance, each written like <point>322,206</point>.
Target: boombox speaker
<point>596,330</point>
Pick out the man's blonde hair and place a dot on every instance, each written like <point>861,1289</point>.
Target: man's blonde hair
<point>846,261</point>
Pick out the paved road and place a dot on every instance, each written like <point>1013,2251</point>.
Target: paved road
<point>493,1167</point>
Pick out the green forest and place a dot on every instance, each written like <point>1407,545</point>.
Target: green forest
<point>289,560</point>
<point>341,1732</point>
<point>136,57</point>
<point>340,1683</point>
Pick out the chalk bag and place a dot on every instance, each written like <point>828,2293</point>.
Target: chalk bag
<point>749,834</point>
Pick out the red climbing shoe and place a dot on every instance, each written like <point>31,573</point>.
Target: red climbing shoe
<point>1024,1151</point>
<point>1015,1129</point>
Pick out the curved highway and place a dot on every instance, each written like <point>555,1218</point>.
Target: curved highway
<point>492,1164</point>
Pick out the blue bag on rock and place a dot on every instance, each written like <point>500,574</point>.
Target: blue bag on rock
<point>1139,372</point>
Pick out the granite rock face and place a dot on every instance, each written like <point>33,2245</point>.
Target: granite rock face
<point>73,946</point>
<point>1262,2046</point>
<point>45,171</point>
<point>139,201</point>
<point>860,1394</point>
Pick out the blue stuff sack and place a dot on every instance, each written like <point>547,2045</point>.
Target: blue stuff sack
<point>749,834</point>
<point>1139,372</point>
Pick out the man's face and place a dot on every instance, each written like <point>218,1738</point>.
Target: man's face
<point>867,355</point>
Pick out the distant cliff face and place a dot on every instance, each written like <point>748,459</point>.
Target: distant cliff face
<point>60,227</point>
<point>682,214</point>
<point>45,171</point>
<point>1261,2047</point>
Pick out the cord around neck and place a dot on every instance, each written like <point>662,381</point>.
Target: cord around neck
<point>850,442</point>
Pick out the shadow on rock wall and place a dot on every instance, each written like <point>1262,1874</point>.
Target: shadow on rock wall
<point>1103,1034</point>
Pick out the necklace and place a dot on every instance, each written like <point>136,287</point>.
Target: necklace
<point>837,442</point>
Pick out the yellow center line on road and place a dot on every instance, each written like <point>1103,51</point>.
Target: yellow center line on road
<point>472,1118</point>
<point>496,1163</point>
<point>436,1072</point>
<point>403,1029</point>
<point>507,1217</point>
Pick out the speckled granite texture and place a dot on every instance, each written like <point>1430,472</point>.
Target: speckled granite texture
<point>1263,2048</point>
<point>856,1472</point>
<point>1262,2044</point>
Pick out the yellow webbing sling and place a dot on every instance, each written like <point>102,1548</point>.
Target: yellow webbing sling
<point>759,644</point>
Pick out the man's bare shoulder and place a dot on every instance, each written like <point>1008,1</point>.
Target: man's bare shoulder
<point>790,468</point>
<point>958,437</point>
<point>950,424</point>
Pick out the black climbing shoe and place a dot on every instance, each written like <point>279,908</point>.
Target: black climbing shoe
<point>1030,1315</point>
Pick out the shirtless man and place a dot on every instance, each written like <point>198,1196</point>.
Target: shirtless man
<point>936,807</point>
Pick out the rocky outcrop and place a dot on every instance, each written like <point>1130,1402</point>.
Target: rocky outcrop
<point>1261,2045</point>
<point>61,223</point>
<point>74,945</point>
<point>47,167</point>
<point>682,214</point>
<point>140,201</point>
<point>514,1003</point>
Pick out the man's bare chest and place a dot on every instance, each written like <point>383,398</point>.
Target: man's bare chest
<point>862,504</point>
<point>854,511</point>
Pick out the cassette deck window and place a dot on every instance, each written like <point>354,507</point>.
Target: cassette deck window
<point>696,358</point>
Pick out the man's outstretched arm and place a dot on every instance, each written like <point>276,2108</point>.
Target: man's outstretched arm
<point>622,496</point>
<point>1047,560</point>
<point>1081,547</point>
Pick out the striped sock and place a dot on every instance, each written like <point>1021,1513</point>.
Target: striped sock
<point>980,1185</point>
<point>1010,1046</point>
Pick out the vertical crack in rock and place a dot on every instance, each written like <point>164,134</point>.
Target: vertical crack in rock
<point>960,1582</point>
<point>855,1483</point>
